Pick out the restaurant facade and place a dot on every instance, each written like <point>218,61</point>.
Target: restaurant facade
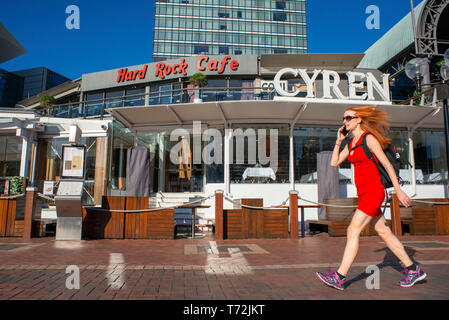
<point>255,130</point>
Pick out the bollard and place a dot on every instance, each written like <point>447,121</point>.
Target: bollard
<point>30,203</point>
<point>395,211</point>
<point>219,215</point>
<point>293,214</point>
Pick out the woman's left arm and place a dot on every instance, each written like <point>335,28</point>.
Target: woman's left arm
<point>376,149</point>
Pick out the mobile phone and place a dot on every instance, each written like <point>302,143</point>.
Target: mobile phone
<point>344,131</point>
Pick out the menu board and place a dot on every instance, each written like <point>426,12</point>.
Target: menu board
<point>73,158</point>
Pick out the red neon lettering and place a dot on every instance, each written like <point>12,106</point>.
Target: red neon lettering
<point>160,70</point>
<point>224,62</point>
<point>234,65</point>
<point>143,72</point>
<point>182,67</point>
<point>198,65</point>
<point>167,70</point>
<point>125,75</point>
<point>121,75</point>
<point>213,65</point>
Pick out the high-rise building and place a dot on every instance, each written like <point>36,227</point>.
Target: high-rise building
<point>193,27</point>
<point>11,88</point>
<point>37,80</point>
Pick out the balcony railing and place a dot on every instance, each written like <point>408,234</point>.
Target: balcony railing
<point>97,108</point>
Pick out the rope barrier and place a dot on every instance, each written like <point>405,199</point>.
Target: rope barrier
<point>384,203</point>
<point>45,197</point>
<point>430,202</point>
<point>325,204</point>
<point>12,197</point>
<point>151,209</point>
<point>281,206</point>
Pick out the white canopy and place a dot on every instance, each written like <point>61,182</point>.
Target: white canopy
<point>227,113</point>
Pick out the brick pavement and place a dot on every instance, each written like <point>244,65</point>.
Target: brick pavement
<point>202,269</point>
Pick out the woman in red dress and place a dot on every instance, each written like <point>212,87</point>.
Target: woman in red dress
<point>369,121</point>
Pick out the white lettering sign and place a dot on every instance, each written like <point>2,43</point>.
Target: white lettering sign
<point>360,86</point>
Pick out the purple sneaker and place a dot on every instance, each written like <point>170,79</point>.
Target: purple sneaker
<point>412,277</point>
<point>332,279</point>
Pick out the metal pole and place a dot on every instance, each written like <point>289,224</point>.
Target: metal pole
<point>414,26</point>
<point>446,130</point>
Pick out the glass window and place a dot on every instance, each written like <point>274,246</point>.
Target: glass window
<point>308,142</point>
<point>223,50</point>
<point>95,104</point>
<point>184,176</point>
<point>114,99</point>
<point>280,5</point>
<point>10,155</point>
<point>260,155</point>
<point>201,50</point>
<point>135,97</point>
<point>430,157</point>
<point>277,16</point>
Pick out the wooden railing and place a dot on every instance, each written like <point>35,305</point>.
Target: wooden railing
<point>157,224</point>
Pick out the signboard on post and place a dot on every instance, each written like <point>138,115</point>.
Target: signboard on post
<point>73,162</point>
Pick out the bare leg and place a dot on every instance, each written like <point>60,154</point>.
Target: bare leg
<point>359,221</point>
<point>391,241</point>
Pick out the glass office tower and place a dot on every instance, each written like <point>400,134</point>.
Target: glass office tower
<point>194,27</point>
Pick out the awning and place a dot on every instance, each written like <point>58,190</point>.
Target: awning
<point>11,48</point>
<point>237,113</point>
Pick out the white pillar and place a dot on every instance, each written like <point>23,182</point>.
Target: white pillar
<point>24,159</point>
<point>161,162</point>
<point>411,160</point>
<point>227,160</point>
<point>147,95</point>
<point>292,160</point>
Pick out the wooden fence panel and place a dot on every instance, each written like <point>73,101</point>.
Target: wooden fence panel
<point>160,224</point>
<point>252,219</point>
<point>247,223</point>
<point>11,220</point>
<point>232,224</point>
<point>134,227</point>
<point>3,216</point>
<point>8,217</point>
<point>275,223</point>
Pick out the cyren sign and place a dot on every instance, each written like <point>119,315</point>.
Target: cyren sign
<point>331,88</point>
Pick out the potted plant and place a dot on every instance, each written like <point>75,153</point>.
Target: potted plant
<point>47,101</point>
<point>16,185</point>
<point>198,80</point>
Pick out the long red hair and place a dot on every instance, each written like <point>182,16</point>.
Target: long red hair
<point>373,121</point>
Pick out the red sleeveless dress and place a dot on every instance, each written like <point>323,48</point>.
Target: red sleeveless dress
<point>370,190</point>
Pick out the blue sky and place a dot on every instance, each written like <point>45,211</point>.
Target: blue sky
<point>116,34</point>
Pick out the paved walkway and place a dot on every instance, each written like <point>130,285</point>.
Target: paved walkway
<point>43,268</point>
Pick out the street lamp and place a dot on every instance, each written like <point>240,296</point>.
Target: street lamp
<point>444,71</point>
<point>446,57</point>
<point>415,69</point>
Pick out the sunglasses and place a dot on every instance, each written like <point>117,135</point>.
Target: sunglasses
<point>348,118</point>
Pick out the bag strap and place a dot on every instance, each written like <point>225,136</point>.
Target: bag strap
<point>370,155</point>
